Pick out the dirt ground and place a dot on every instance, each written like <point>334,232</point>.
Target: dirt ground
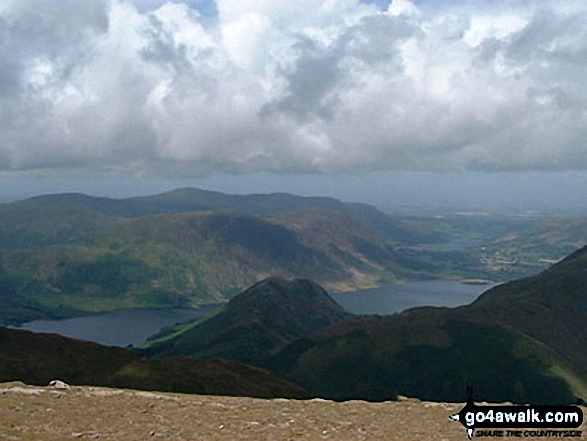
<point>86,413</point>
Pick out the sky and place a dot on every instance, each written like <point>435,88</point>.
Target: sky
<point>418,103</point>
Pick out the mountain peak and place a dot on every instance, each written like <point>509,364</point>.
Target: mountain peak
<point>279,290</point>
<point>257,322</point>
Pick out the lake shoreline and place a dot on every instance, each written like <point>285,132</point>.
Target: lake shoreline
<point>133,326</point>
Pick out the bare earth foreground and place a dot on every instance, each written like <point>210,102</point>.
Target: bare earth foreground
<point>35,413</point>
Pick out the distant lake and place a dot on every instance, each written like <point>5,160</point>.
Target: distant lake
<point>134,326</point>
<point>118,328</point>
<point>396,298</point>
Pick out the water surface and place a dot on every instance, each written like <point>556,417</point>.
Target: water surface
<point>119,328</point>
<point>392,299</point>
<point>134,326</point>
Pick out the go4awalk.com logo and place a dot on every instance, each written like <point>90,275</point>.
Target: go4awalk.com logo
<point>520,421</point>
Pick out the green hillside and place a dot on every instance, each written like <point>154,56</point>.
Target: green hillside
<point>523,341</point>
<point>550,307</point>
<point>186,259</point>
<point>37,221</point>
<point>193,199</point>
<point>254,324</point>
<point>40,358</point>
<point>73,254</point>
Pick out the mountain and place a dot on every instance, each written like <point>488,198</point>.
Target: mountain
<point>90,212</point>
<point>560,234</point>
<point>550,307</point>
<point>254,324</point>
<point>39,221</point>
<point>40,358</point>
<point>186,259</point>
<point>522,341</point>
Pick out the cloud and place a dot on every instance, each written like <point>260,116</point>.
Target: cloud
<point>312,86</point>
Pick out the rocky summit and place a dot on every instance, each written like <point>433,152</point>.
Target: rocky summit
<point>45,413</point>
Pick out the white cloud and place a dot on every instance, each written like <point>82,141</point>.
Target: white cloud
<point>315,85</point>
<point>403,7</point>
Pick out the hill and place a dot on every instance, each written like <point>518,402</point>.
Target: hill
<point>38,221</point>
<point>550,307</point>
<point>58,218</point>
<point>186,259</point>
<point>40,358</point>
<point>522,341</point>
<point>254,324</point>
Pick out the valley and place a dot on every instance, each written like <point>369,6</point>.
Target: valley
<point>262,220</point>
<point>262,266</point>
<point>71,255</point>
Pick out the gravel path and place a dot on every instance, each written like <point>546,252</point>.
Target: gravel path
<point>86,413</point>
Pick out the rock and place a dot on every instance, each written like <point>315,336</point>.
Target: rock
<point>404,398</point>
<point>58,384</point>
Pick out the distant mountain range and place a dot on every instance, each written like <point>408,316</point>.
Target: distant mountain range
<point>71,254</point>
<point>521,341</point>
<point>59,218</point>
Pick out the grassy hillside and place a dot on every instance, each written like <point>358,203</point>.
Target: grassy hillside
<point>550,307</point>
<point>522,341</point>
<point>40,358</point>
<point>254,324</point>
<point>186,259</point>
<point>193,199</point>
<point>37,221</point>
<point>426,354</point>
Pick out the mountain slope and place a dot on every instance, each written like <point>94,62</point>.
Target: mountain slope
<point>550,307</point>
<point>40,358</point>
<point>523,341</point>
<point>186,259</point>
<point>39,221</point>
<point>193,199</point>
<point>255,323</point>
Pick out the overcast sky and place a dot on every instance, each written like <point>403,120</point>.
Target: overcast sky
<point>311,96</point>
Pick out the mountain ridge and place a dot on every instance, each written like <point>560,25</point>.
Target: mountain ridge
<point>255,323</point>
<point>194,199</point>
<point>521,341</point>
<point>186,259</point>
<point>530,334</point>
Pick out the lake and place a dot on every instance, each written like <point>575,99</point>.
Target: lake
<point>134,326</point>
<point>118,328</point>
<point>397,298</point>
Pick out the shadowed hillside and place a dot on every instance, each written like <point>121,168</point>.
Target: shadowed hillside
<point>187,259</point>
<point>37,221</point>
<point>550,307</point>
<point>254,324</point>
<point>57,218</point>
<point>522,341</point>
<point>40,358</point>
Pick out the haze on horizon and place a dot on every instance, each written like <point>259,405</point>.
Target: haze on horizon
<point>476,104</point>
